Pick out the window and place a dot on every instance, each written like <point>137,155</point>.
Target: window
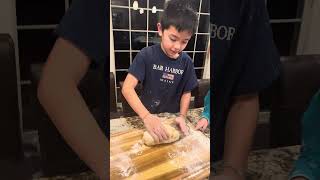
<point>285,18</point>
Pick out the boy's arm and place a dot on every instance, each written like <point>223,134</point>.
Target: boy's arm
<point>184,103</point>
<point>58,94</point>
<point>152,123</point>
<point>240,129</point>
<point>184,106</point>
<point>129,93</point>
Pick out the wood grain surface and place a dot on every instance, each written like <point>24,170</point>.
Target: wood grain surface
<point>188,158</point>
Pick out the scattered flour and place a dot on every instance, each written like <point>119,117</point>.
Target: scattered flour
<point>137,148</point>
<point>124,165</point>
<point>187,152</point>
<point>124,162</point>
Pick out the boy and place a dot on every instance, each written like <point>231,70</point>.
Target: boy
<point>245,61</point>
<point>307,167</point>
<point>82,41</point>
<point>166,73</point>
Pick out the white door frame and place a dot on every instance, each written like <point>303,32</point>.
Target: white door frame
<point>309,38</point>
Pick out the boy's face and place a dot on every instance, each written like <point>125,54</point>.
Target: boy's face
<point>172,41</point>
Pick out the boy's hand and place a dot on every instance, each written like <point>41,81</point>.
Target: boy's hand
<point>155,128</point>
<point>183,126</point>
<point>202,124</point>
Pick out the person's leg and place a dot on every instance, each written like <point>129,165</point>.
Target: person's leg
<point>308,163</point>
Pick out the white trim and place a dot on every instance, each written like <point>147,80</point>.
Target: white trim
<point>18,74</point>
<point>126,50</point>
<point>309,38</point>
<point>196,34</point>
<point>119,6</point>
<point>273,21</point>
<point>121,30</point>
<point>305,26</point>
<point>203,33</point>
<point>117,70</point>
<point>8,19</point>
<point>25,82</point>
<point>201,13</point>
<point>112,54</point>
<point>195,51</point>
<point>47,26</point>
<point>127,7</point>
<point>206,71</point>
<point>147,38</point>
<point>138,30</point>
<point>140,50</point>
<point>66,5</point>
<point>18,70</point>
<point>130,30</point>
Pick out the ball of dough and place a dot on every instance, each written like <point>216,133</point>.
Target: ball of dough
<point>174,135</point>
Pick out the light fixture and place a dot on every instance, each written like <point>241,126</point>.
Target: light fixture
<point>135,5</point>
<point>154,9</point>
<point>141,11</point>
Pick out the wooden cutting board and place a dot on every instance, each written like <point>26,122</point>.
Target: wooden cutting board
<point>188,158</point>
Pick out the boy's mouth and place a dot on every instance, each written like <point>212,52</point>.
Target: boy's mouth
<point>174,52</point>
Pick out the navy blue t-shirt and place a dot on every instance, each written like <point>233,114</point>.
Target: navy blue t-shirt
<point>85,26</point>
<point>163,79</point>
<point>245,59</point>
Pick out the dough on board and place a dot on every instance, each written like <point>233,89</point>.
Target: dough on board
<point>174,135</point>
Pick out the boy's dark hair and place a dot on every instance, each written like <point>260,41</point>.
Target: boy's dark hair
<point>180,14</point>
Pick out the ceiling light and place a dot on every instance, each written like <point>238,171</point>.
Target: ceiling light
<point>135,5</point>
<point>154,9</point>
<point>141,11</point>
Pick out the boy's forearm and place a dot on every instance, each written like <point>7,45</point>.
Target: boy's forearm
<point>184,103</point>
<point>240,129</point>
<point>134,101</point>
<point>68,111</point>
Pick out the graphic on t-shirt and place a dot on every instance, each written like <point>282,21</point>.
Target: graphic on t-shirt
<point>168,69</point>
<point>168,74</point>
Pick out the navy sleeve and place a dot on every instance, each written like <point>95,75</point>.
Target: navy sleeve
<point>85,25</point>
<point>262,63</point>
<point>137,68</point>
<point>191,78</point>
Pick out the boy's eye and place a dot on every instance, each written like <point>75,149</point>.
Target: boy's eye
<point>185,42</point>
<point>172,39</point>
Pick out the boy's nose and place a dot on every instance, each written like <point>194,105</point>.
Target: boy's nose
<point>177,46</point>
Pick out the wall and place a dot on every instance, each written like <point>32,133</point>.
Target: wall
<point>9,26</point>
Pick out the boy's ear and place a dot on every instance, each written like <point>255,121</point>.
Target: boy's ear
<point>159,29</point>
